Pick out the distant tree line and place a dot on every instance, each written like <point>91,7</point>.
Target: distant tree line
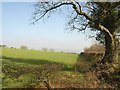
<point>24,47</point>
<point>3,46</point>
<point>46,49</point>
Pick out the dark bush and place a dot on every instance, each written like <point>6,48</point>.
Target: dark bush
<point>91,56</point>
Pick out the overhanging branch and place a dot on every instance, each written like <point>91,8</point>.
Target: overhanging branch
<point>55,6</point>
<point>77,7</point>
<point>80,12</point>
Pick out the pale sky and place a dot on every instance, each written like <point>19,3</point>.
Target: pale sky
<point>17,30</point>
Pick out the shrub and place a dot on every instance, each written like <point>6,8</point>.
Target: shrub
<point>24,47</point>
<point>82,66</point>
<point>38,74</point>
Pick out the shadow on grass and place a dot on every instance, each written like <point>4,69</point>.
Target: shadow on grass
<point>38,62</point>
<point>29,61</point>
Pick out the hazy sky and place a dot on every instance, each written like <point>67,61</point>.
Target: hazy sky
<point>17,30</point>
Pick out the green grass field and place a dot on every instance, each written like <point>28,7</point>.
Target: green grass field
<point>22,68</point>
<point>39,56</point>
<point>30,68</point>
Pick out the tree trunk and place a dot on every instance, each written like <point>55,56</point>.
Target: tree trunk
<point>111,49</point>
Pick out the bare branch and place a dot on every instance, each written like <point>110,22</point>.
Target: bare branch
<point>77,7</point>
<point>85,26</point>
<point>40,17</point>
<point>55,6</point>
<point>80,12</point>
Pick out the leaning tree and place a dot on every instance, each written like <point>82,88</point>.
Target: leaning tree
<point>100,17</point>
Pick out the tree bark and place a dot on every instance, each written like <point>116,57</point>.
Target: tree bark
<point>111,49</point>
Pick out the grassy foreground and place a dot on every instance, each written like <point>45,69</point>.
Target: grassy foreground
<point>30,68</point>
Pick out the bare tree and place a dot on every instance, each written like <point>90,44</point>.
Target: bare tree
<point>98,17</point>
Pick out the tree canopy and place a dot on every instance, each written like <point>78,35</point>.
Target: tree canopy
<point>100,17</point>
